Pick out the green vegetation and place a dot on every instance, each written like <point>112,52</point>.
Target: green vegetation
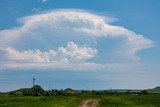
<point>105,100</point>
<point>56,101</point>
<point>28,97</point>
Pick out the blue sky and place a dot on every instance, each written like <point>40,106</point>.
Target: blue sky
<point>79,44</point>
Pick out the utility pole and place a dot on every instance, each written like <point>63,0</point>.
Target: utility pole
<point>34,81</point>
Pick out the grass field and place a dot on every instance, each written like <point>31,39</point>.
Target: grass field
<point>104,100</point>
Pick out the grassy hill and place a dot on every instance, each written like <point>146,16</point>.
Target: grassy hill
<point>154,90</point>
<point>157,88</point>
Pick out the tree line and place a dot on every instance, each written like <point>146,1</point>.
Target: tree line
<point>39,91</point>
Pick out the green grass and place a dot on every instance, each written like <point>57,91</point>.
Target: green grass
<point>150,100</point>
<point>54,101</point>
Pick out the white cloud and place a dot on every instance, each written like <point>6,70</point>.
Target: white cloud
<point>43,1</point>
<point>81,66</point>
<point>77,22</point>
<point>72,53</point>
<point>35,9</point>
<point>55,26</point>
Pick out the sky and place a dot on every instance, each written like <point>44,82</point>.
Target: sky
<point>80,44</point>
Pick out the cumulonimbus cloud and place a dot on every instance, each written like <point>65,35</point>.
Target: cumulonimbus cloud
<point>71,53</point>
<point>63,23</point>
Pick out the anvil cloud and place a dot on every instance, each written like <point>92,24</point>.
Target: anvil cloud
<point>50,27</point>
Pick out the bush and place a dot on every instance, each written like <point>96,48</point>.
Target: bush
<point>143,92</point>
<point>37,90</point>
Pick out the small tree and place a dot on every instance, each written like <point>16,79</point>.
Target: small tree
<point>143,92</point>
<point>37,90</point>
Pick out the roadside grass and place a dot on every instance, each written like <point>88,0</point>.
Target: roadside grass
<point>105,100</point>
<point>54,101</point>
<point>150,100</point>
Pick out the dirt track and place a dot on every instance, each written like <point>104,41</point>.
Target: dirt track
<point>89,103</point>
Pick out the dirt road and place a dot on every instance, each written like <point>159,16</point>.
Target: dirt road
<point>89,103</point>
